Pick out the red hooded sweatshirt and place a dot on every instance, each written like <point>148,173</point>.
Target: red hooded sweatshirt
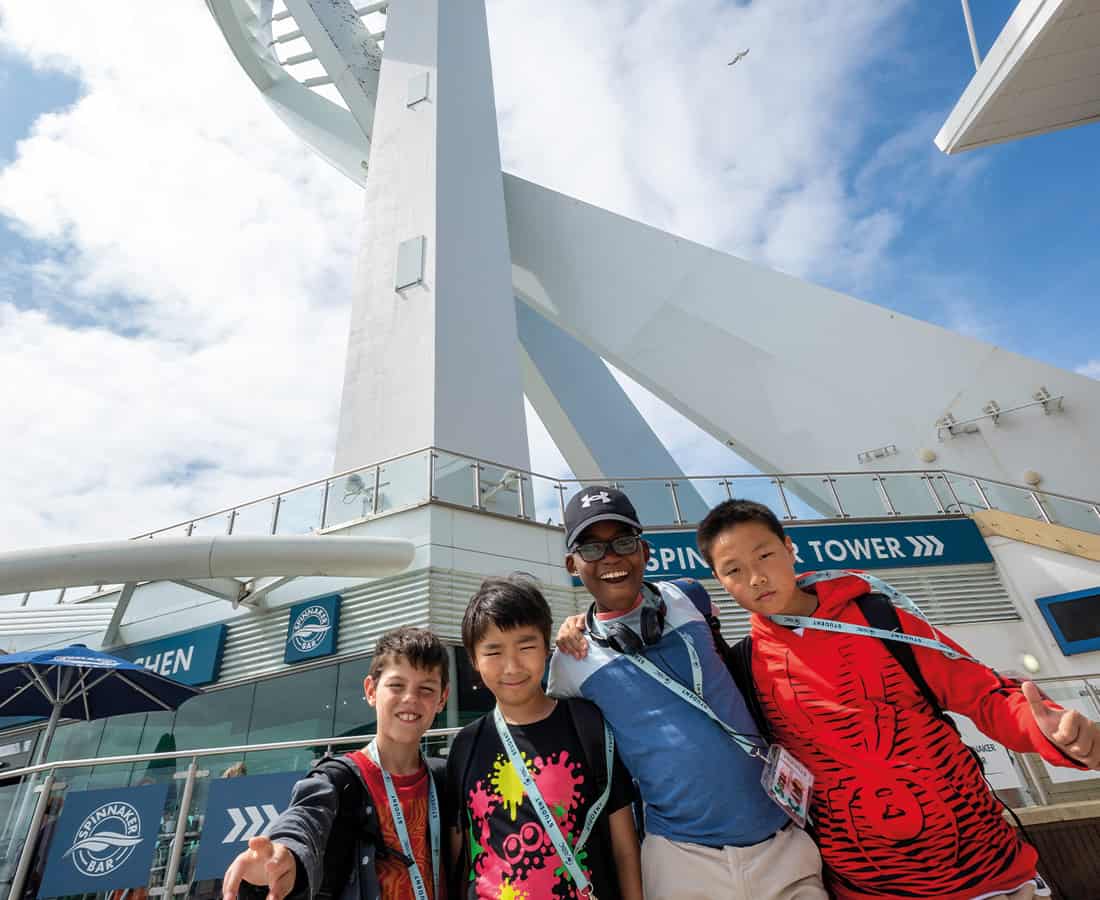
<point>900,804</point>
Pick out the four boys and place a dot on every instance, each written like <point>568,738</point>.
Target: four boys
<point>538,803</point>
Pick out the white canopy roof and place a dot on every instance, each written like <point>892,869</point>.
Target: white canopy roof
<point>1042,74</point>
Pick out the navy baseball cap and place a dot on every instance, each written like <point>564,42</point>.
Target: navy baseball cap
<point>597,504</point>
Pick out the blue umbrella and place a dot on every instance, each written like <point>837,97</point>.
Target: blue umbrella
<point>77,683</point>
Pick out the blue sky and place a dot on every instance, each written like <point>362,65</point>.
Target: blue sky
<point>160,314</point>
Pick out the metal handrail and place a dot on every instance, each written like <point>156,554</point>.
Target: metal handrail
<point>210,751</point>
<point>626,479</point>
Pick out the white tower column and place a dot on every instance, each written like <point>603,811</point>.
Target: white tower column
<point>432,354</point>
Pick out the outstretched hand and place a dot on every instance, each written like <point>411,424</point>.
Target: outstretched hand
<point>571,639</point>
<point>1070,731</point>
<point>264,862</point>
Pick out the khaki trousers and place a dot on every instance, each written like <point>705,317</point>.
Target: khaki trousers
<point>787,866</point>
<point>1027,892</point>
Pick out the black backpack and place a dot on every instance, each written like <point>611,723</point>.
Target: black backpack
<point>880,613</point>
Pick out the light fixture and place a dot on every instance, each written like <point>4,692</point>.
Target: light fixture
<point>1030,663</point>
<point>1032,477</point>
<point>927,455</point>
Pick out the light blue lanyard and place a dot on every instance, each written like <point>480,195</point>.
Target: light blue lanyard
<point>693,697</point>
<point>896,596</point>
<point>419,888</point>
<point>565,853</point>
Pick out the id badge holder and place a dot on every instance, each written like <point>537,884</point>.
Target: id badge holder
<point>788,783</point>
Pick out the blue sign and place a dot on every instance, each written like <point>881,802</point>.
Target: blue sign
<point>311,629</point>
<point>238,809</point>
<point>104,840</point>
<point>192,657</point>
<point>847,545</point>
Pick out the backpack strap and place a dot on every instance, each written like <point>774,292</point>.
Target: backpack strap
<point>739,662</point>
<point>588,725</point>
<point>881,613</point>
<point>461,758</point>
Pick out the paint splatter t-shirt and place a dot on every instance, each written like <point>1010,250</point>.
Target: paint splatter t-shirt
<point>511,856</point>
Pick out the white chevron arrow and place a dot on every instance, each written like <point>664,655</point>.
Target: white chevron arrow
<point>937,545</point>
<point>238,825</point>
<point>257,819</point>
<point>272,814</point>
<point>918,547</point>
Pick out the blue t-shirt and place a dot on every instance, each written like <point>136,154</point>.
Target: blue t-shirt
<point>698,786</point>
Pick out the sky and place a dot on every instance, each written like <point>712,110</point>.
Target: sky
<point>176,268</point>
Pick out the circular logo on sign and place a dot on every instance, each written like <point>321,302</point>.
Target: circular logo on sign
<point>310,628</point>
<point>105,839</point>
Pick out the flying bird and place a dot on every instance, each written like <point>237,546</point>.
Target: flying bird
<point>740,56</point>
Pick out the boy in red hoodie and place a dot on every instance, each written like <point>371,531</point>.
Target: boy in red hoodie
<point>898,801</point>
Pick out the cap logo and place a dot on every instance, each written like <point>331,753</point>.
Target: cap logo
<point>588,499</point>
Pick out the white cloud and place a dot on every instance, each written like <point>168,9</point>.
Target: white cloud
<point>1091,369</point>
<point>185,346</point>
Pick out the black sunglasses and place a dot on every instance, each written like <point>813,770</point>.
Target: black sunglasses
<point>623,545</point>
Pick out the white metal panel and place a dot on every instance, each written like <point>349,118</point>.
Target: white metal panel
<point>818,376</point>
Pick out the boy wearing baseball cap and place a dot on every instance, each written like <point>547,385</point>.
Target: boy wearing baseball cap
<point>681,724</point>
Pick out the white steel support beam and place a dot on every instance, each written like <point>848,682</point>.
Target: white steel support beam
<point>346,49</point>
<point>197,560</point>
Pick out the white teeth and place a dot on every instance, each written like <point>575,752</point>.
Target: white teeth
<point>408,717</point>
<point>607,576</point>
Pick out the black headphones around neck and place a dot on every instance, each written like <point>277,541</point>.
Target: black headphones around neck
<point>621,637</point>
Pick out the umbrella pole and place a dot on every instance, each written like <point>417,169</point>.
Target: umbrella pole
<point>47,738</point>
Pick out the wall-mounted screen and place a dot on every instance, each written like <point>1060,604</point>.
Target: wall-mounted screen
<point>1073,619</point>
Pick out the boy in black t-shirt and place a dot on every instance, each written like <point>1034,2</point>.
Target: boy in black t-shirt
<point>562,825</point>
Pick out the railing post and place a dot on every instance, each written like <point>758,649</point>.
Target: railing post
<point>375,502</point>
<point>431,475</point>
<point>324,505</point>
<point>1033,768</point>
<point>520,479</point>
<point>231,520</point>
<point>1095,509</point>
<point>981,493</point>
<point>1039,506</point>
<point>180,836</point>
<point>728,485</point>
<point>927,479</point>
<point>778,482</point>
<point>27,853</point>
<point>476,466</point>
<point>671,485</point>
<point>190,528</point>
<point>560,488</point>
<point>275,514</point>
<point>831,482</point>
<point>951,491</point>
<point>884,495</point>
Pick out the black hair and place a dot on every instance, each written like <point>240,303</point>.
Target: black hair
<point>734,512</point>
<point>420,647</point>
<point>510,602</point>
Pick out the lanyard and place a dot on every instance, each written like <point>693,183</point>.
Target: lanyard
<point>882,587</point>
<point>419,889</point>
<point>693,697</point>
<point>565,853</point>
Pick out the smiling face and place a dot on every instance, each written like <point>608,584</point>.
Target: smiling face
<point>756,567</point>
<point>614,581</point>
<point>406,698</point>
<point>511,662</point>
